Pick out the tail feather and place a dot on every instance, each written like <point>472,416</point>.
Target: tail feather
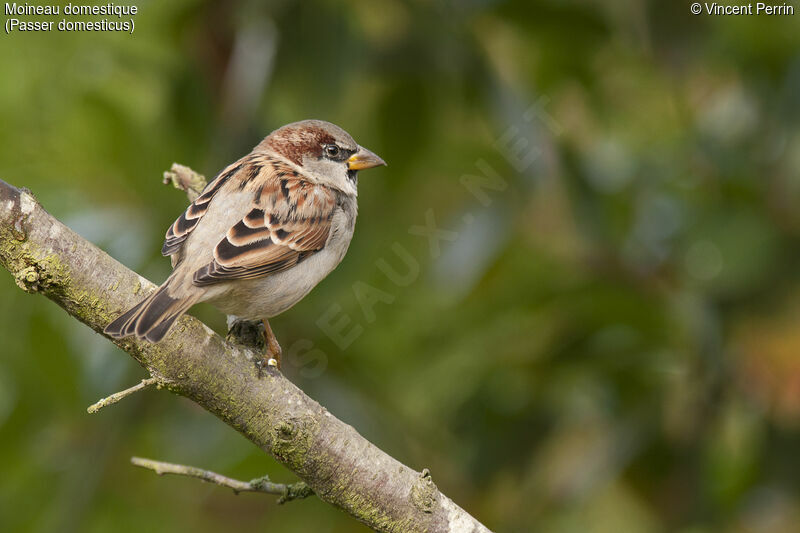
<point>151,318</point>
<point>157,333</point>
<point>119,327</point>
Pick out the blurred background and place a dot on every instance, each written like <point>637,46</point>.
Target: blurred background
<point>605,338</point>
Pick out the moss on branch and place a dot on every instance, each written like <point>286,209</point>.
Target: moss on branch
<point>338,464</point>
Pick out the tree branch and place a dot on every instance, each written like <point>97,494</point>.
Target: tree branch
<point>287,493</point>
<point>117,396</point>
<point>339,465</point>
<point>184,178</point>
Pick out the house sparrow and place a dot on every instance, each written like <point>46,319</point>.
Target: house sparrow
<point>263,233</point>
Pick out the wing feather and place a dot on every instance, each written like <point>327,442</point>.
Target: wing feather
<point>179,231</point>
<point>290,220</point>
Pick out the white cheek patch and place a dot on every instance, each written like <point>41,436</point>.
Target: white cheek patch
<point>331,173</point>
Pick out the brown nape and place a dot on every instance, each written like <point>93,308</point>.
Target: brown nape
<point>295,141</point>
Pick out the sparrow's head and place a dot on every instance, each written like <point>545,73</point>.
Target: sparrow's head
<point>326,153</point>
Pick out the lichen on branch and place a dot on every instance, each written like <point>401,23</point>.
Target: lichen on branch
<point>331,457</point>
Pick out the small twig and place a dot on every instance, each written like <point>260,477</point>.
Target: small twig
<point>294,491</point>
<point>117,396</point>
<point>342,467</point>
<point>185,179</point>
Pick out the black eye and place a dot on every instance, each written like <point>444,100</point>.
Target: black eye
<point>331,150</point>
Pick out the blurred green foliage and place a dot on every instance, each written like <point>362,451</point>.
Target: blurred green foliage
<point>611,344</point>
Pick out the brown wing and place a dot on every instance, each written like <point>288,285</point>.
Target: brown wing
<point>183,226</point>
<point>291,219</point>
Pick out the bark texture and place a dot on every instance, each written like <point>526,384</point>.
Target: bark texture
<point>342,467</point>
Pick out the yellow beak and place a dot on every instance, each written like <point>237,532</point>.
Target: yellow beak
<point>363,158</point>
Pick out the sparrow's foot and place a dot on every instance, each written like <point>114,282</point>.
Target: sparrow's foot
<point>273,351</point>
<point>263,364</point>
<point>258,336</point>
<point>248,333</point>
